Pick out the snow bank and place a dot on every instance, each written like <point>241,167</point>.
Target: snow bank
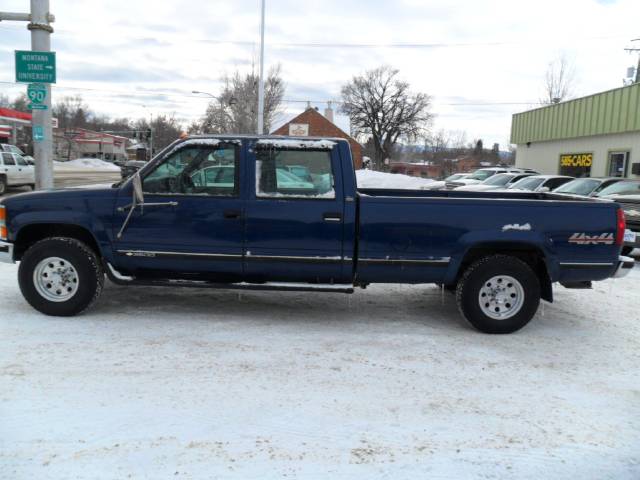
<point>86,164</point>
<point>371,179</point>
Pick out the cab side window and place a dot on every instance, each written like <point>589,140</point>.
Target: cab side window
<point>21,161</point>
<point>198,170</point>
<point>282,173</point>
<point>8,159</point>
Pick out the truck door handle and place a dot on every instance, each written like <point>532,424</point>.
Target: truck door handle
<point>332,217</point>
<point>232,214</point>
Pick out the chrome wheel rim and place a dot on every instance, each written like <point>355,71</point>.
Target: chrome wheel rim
<point>56,279</point>
<point>501,297</point>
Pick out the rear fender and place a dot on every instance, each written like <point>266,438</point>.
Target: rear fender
<point>530,247</point>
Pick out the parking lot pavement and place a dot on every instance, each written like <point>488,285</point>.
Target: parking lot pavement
<point>73,178</point>
<point>386,383</point>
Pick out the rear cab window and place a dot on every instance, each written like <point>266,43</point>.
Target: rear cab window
<point>285,172</point>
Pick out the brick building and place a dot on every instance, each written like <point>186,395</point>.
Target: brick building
<point>424,170</point>
<point>311,123</point>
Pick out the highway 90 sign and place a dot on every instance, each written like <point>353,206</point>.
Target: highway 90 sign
<point>35,67</point>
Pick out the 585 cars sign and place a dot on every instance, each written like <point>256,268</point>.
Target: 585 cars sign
<point>584,160</point>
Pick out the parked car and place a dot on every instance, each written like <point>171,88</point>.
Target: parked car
<point>501,253</point>
<point>299,171</point>
<point>483,174</point>
<point>15,172</point>
<point>539,183</point>
<point>631,207</point>
<point>441,184</point>
<point>130,167</point>
<point>627,194</point>
<point>586,187</point>
<point>621,188</point>
<point>5,147</point>
<point>495,182</point>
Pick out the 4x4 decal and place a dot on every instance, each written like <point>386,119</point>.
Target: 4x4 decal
<point>584,239</point>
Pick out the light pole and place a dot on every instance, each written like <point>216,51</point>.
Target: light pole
<point>40,26</point>
<point>150,137</point>
<point>261,79</point>
<point>636,50</point>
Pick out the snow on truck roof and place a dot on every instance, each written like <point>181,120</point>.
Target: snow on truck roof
<point>273,141</point>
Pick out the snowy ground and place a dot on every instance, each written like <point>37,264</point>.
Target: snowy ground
<point>387,383</point>
<point>92,164</point>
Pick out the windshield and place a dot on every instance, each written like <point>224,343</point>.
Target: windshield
<point>579,186</point>
<point>482,174</point>
<point>621,188</point>
<point>529,183</point>
<point>454,177</point>
<point>498,180</point>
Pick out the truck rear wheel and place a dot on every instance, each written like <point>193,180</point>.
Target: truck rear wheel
<point>60,276</point>
<point>498,294</point>
<point>3,185</point>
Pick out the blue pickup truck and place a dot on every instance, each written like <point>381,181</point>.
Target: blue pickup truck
<point>286,214</point>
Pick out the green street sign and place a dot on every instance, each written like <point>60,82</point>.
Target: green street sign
<point>37,93</point>
<point>36,106</point>
<point>35,67</point>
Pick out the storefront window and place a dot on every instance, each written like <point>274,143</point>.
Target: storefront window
<point>618,164</point>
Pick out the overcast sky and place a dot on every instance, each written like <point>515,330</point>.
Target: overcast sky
<point>144,57</point>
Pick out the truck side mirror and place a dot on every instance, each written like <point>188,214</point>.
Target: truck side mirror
<point>138,195</point>
<point>544,190</point>
<point>138,199</point>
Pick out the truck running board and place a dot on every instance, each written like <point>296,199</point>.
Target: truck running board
<point>586,285</point>
<point>120,279</point>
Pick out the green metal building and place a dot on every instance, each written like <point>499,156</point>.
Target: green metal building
<point>597,135</point>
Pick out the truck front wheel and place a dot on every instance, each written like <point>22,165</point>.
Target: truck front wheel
<point>498,294</point>
<point>60,276</point>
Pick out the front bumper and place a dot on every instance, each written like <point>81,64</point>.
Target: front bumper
<point>625,264</point>
<point>6,252</point>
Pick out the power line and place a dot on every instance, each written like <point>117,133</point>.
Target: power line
<point>118,93</point>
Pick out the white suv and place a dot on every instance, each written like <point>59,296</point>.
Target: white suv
<point>15,172</point>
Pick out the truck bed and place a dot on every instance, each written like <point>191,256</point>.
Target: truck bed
<point>415,229</point>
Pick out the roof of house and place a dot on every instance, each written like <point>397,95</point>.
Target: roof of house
<point>313,115</point>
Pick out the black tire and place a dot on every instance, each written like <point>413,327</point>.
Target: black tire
<point>626,251</point>
<point>32,186</point>
<point>3,185</point>
<point>86,267</point>
<point>477,279</point>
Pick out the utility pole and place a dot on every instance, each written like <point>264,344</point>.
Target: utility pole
<point>40,26</point>
<point>261,80</point>
<point>636,50</point>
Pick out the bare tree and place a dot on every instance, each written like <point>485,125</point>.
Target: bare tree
<point>235,109</point>
<point>382,106</point>
<point>71,112</point>
<point>559,81</point>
